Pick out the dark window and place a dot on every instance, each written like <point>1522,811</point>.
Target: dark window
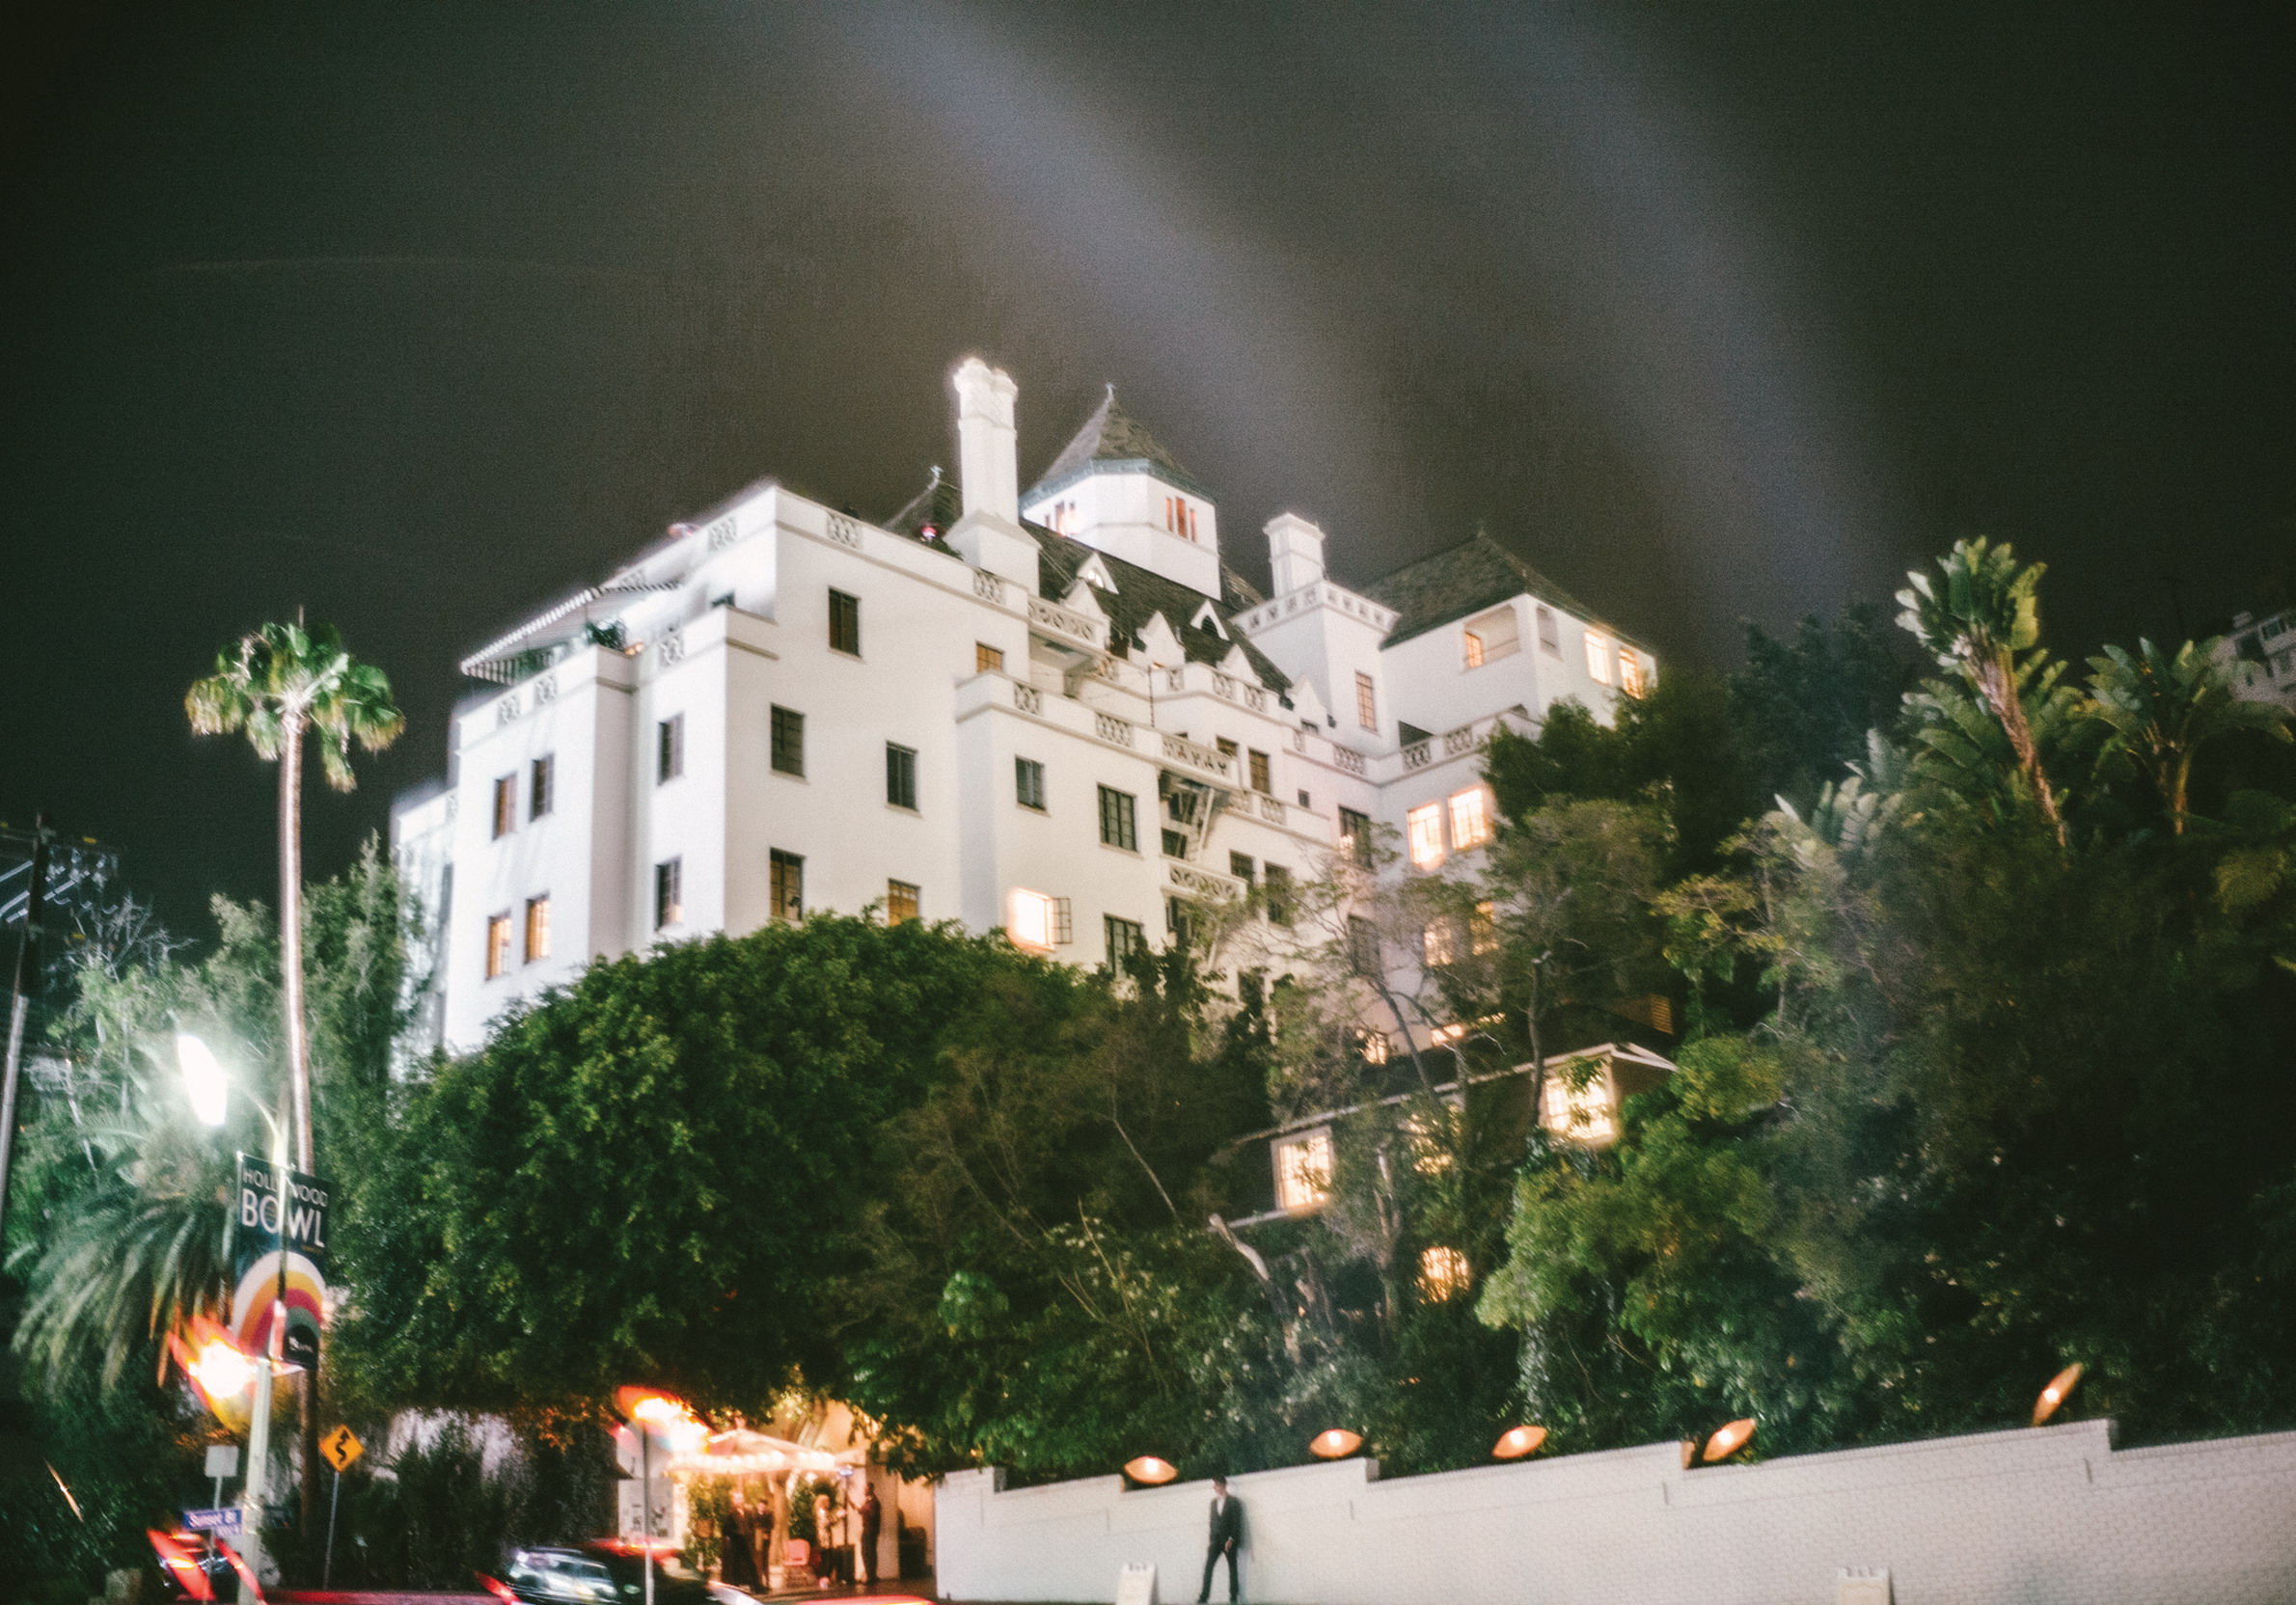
<point>669,892</point>
<point>1126,937</point>
<point>844,623</point>
<point>1279,894</point>
<point>1549,640</point>
<point>900,902</point>
<point>542,786</point>
<point>1226,746</point>
<point>670,748</point>
<point>1029,783</point>
<point>900,775</point>
<point>1240,866</point>
<point>1118,822</point>
<point>1355,834</point>
<point>506,805</point>
<point>1179,920</point>
<point>1303,802</point>
<point>788,886</point>
<point>1262,778</point>
<point>1363,946</point>
<point>790,742</point>
<point>1175,845</point>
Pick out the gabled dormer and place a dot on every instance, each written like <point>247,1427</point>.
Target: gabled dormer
<point>1117,490</point>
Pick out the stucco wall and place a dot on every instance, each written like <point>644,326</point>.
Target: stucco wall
<point>2052,1516</point>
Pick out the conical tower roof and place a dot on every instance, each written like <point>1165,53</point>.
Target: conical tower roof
<point>1111,435</point>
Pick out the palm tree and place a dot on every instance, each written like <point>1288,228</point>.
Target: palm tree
<point>2164,707</point>
<point>1984,613</point>
<point>279,682</point>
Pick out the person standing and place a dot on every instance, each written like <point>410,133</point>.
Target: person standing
<point>734,1565</point>
<point>1227,1538</point>
<point>872,1524</point>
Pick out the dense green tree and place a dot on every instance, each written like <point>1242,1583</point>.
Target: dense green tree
<point>653,1174</point>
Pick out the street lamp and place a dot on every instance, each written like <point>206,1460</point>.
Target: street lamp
<point>210,1090</point>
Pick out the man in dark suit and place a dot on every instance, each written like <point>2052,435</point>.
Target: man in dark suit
<point>1227,1537</point>
<point>872,1524</point>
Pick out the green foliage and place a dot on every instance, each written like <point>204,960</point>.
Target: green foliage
<point>648,1176</point>
<point>2018,1094</point>
<point>281,678</point>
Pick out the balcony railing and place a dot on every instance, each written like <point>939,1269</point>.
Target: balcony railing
<point>1179,749</point>
<point>1067,625</point>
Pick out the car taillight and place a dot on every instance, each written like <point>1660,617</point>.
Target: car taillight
<point>496,1587</point>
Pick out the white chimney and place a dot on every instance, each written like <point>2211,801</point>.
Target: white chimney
<point>1295,553</point>
<point>988,449</point>
<point>989,536</point>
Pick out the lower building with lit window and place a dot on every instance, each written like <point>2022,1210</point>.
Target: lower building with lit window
<point>1057,712</point>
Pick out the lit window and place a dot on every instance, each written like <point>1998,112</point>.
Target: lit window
<point>1598,658</point>
<point>498,945</point>
<point>1430,1141</point>
<point>1423,834</point>
<point>1367,707</point>
<point>900,902</point>
<point>788,740</point>
<point>1630,673</point>
<point>1438,943</point>
<point>1029,783</point>
<point>1575,1104</point>
<point>542,786</point>
<point>1302,1170</point>
<point>1119,819</point>
<point>987,658</point>
<point>900,775</point>
<point>787,892</point>
<point>506,805</point>
<point>1125,939</point>
<point>844,623</point>
<point>670,907</point>
<point>1550,639</point>
<point>670,748</point>
<point>1037,922</point>
<point>1443,1274</point>
<point>537,929</point>
<point>1489,636</point>
<point>1470,825</point>
<point>1483,928</point>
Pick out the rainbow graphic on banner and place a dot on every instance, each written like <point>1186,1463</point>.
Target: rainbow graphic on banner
<point>257,1296</point>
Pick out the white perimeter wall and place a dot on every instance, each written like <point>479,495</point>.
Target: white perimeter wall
<point>2033,1517</point>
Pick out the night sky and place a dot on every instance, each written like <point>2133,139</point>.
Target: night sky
<point>422,316</point>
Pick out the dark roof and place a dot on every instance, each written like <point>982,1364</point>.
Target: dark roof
<point>1140,594</point>
<point>939,504</point>
<point>1476,574</point>
<point>1111,435</point>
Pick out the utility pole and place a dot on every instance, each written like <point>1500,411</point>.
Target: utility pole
<point>19,1005</point>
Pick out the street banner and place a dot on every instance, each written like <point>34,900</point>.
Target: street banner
<point>279,1213</point>
<point>225,1519</point>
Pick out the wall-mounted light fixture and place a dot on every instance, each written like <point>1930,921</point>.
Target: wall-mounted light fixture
<point>2060,1388</point>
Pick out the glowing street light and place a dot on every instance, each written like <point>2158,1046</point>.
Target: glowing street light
<point>203,1078</point>
<point>221,1369</point>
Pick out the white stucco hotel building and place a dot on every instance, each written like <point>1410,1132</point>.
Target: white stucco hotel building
<point>1014,711</point>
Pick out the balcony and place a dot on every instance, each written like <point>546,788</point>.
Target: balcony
<point>1067,627</point>
<point>1200,763</point>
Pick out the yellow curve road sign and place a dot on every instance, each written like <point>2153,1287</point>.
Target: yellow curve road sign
<point>342,1446</point>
